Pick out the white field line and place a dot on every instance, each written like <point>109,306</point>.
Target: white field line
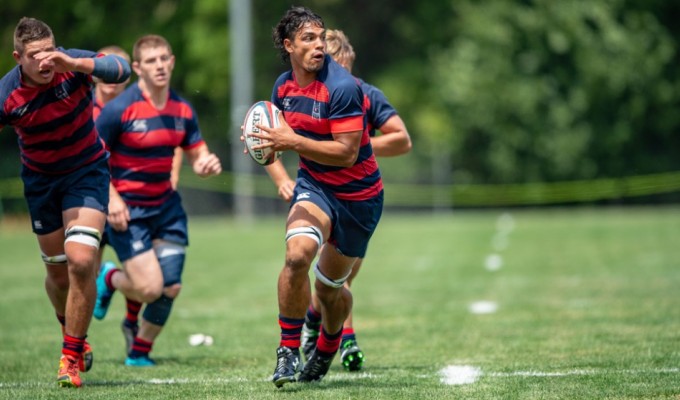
<point>467,374</point>
<point>463,374</point>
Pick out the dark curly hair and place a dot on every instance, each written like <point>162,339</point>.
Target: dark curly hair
<point>290,23</point>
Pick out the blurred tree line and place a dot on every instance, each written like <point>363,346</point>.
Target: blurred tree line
<point>492,91</point>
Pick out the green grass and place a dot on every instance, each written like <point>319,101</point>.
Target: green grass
<point>588,308</point>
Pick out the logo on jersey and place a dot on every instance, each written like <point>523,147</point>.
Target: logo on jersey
<point>179,124</point>
<point>286,103</point>
<point>20,111</point>
<point>139,125</point>
<point>302,196</point>
<point>316,110</point>
<point>60,92</point>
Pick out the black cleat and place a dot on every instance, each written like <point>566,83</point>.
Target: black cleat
<point>287,365</point>
<point>308,340</point>
<point>316,367</point>
<point>351,355</point>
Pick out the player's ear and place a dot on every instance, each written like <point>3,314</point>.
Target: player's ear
<point>135,67</point>
<point>17,56</point>
<point>288,45</point>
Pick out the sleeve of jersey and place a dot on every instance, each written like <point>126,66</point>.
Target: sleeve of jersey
<point>381,110</point>
<point>108,125</point>
<point>347,112</point>
<point>193,135</point>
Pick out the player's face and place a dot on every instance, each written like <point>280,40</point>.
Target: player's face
<point>32,74</point>
<point>155,66</point>
<point>308,48</point>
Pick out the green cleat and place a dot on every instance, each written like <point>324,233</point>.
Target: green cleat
<point>351,355</point>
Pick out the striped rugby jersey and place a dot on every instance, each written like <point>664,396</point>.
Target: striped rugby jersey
<point>378,109</point>
<point>142,142</point>
<point>332,104</point>
<point>53,122</point>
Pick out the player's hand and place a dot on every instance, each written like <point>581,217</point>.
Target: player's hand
<point>56,60</point>
<point>119,214</point>
<point>286,190</point>
<point>207,165</point>
<point>279,139</point>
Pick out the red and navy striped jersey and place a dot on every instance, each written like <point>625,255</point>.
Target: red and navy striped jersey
<point>98,105</point>
<point>378,109</point>
<point>142,142</point>
<point>332,104</point>
<point>53,122</point>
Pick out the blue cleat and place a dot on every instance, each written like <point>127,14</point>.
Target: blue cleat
<point>104,294</point>
<point>142,361</point>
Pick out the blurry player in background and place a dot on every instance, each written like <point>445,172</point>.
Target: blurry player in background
<point>104,93</point>
<point>393,140</point>
<point>47,98</point>
<point>338,194</point>
<point>147,225</point>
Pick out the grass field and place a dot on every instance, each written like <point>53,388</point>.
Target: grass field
<point>575,304</point>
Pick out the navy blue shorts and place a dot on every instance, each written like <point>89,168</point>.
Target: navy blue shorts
<point>167,222</point>
<point>352,222</point>
<point>49,195</point>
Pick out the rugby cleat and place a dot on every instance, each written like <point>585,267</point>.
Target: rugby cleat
<point>316,367</point>
<point>68,375</point>
<point>142,361</point>
<point>86,358</point>
<point>351,355</point>
<point>104,294</point>
<point>129,333</point>
<point>308,341</point>
<point>288,364</point>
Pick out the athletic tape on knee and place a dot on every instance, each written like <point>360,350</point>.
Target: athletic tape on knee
<point>334,283</point>
<point>158,312</point>
<point>58,259</point>
<point>171,257</point>
<point>83,234</point>
<point>310,231</point>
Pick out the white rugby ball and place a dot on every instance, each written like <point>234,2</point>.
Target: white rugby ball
<point>261,113</point>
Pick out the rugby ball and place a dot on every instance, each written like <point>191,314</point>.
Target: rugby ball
<point>261,113</point>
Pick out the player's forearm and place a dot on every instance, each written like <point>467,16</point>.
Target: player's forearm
<point>277,172</point>
<point>334,152</point>
<point>394,144</point>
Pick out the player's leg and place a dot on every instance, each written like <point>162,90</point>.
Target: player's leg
<point>171,258</point>
<point>81,243</point>
<point>335,302</point>
<point>350,354</point>
<point>307,225</point>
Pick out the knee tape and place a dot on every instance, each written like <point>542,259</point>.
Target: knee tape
<point>309,231</point>
<point>171,257</point>
<point>83,234</point>
<point>334,283</point>
<point>58,259</point>
<point>158,312</point>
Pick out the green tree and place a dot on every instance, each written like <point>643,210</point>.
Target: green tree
<point>545,90</point>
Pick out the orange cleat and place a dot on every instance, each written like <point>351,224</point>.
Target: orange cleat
<point>69,375</point>
<point>86,358</point>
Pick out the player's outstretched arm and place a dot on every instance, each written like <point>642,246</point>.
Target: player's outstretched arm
<point>111,68</point>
